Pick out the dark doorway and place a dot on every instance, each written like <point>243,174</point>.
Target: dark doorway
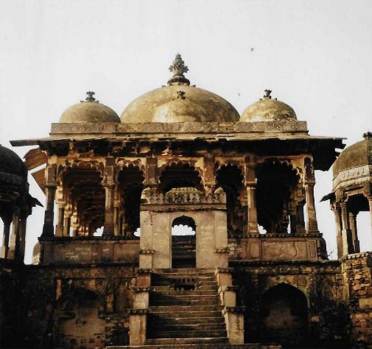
<point>183,242</point>
<point>284,316</point>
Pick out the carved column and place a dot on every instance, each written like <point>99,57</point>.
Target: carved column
<point>250,185</point>
<point>354,231</point>
<point>61,216</point>
<point>117,223</point>
<point>109,186</point>
<point>370,208</point>
<point>300,219</point>
<point>5,243</point>
<point>347,243</point>
<point>151,175</point>
<point>337,212</point>
<point>50,190</point>
<point>14,236</point>
<point>67,220</point>
<point>312,223</point>
<point>20,251</point>
<point>209,177</point>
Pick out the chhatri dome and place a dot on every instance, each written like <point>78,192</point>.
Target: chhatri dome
<point>179,101</point>
<point>89,111</point>
<point>268,109</point>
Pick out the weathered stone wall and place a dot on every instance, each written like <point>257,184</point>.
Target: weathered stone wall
<point>10,310</point>
<point>74,307</point>
<point>356,271</point>
<point>321,284</point>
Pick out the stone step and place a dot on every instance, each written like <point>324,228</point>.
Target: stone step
<point>183,328</point>
<point>187,334</point>
<point>198,345</point>
<point>187,340</point>
<point>194,301</point>
<point>185,309</point>
<point>170,319</point>
<point>195,271</point>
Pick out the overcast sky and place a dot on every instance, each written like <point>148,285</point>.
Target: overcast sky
<point>314,55</point>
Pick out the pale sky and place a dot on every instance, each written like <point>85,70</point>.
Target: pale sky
<point>314,55</point>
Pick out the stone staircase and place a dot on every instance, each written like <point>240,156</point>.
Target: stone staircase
<point>185,312</point>
<point>184,304</point>
<point>183,251</point>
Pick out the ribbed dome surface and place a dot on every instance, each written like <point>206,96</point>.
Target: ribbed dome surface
<point>356,155</point>
<point>179,102</point>
<point>89,111</point>
<point>268,109</point>
<point>13,171</point>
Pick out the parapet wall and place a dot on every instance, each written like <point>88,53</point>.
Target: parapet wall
<point>356,270</point>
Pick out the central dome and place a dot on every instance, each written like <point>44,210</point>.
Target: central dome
<point>179,102</point>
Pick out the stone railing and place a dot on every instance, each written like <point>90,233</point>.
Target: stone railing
<point>182,196</point>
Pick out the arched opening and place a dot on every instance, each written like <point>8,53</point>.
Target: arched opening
<point>284,315</point>
<point>230,178</point>
<point>359,220</point>
<point>130,185</point>
<point>86,197</point>
<point>275,185</point>
<point>180,175</point>
<point>183,242</point>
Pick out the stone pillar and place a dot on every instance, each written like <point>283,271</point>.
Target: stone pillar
<point>309,183</point>
<point>50,190</point>
<point>61,216</point>
<point>117,218</point>
<point>250,184</point>
<point>5,243</point>
<point>109,186</point>
<point>14,236</point>
<point>21,246</point>
<point>252,209</point>
<point>370,208</point>
<point>311,224</point>
<point>354,231</point>
<point>300,219</point>
<point>347,243</point>
<point>337,213</point>
<point>67,220</point>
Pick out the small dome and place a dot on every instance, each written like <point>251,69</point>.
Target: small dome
<point>179,102</point>
<point>356,155</point>
<point>11,163</point>
<point>89,111</point>
<point>12,169</point>
<point>268,109</point>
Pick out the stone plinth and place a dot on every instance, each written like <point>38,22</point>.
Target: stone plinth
<point>88,251</point>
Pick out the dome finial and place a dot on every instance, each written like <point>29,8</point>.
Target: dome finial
<point>90,97</point>
<point>267,94</point>
<point>178,68</point>
<point>367,135</point>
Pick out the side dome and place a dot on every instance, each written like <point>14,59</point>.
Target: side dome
<point>89,111</point>
<point>11,163</point>
<point>356,155</point>
<point>179,102</point>
<point>12,169</point>
<point>268,109</point>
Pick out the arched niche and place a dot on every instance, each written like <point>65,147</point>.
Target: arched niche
<point>284,315</point>
<point>230,178</point>
<point>178,175</point>
<point>276,183</point>
<point>130,181</point>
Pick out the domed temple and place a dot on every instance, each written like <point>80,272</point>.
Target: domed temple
<point>181,224</point>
